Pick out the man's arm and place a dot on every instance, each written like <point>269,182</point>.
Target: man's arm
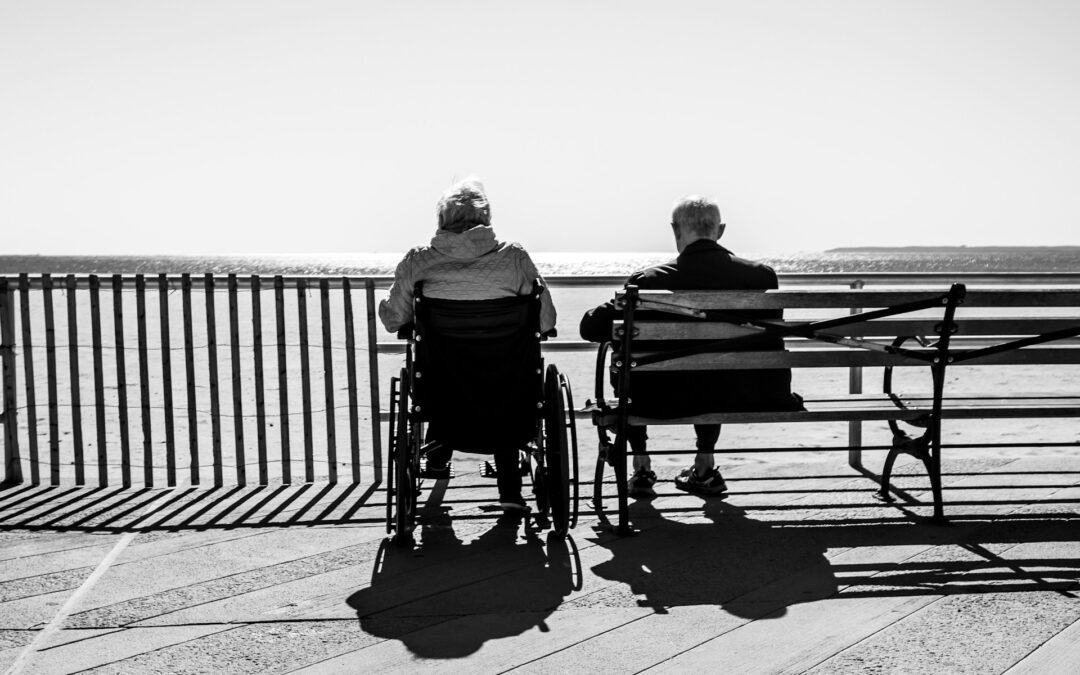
<point>596,324</point>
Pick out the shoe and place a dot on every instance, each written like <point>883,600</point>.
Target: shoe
<point>641,484</point>
<point>434,471</point>
<point>514,504</point>
<point>710,485</point>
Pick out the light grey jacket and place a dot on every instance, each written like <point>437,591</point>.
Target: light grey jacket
<point>470,265</point>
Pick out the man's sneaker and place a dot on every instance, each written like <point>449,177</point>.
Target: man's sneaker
<point>435,470</point>
<point>514,504</point>
<point>641,484</point>
<point>710,485</point>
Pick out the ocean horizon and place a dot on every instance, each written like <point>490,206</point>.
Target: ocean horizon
<point>1064,259</point>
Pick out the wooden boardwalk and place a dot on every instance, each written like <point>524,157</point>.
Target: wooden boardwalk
<point>799,570</point>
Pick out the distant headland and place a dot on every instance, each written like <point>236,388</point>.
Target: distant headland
<point>950,249</point>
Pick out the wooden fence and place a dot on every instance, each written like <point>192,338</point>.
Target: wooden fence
<point>175,379</point>
<point>184,357</point>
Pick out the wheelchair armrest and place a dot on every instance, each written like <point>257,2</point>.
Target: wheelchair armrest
<point>549,334</point>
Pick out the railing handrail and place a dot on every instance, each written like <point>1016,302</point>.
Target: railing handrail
<point>382,282</point>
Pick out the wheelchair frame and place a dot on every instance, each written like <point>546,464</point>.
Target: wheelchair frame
<point>552,455</point>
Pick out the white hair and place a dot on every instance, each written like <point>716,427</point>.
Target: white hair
<point>463,206</point>
<point>697,215</point>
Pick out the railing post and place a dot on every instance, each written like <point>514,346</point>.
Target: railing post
<point>855,386</point>
<point>373,380</point>
<point>12,460</point>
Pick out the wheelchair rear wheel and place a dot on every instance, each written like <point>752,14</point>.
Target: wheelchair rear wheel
<point>403,459</point>
<point>560,451</point>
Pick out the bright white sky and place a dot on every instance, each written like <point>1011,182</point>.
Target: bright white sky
<point>256,126</point>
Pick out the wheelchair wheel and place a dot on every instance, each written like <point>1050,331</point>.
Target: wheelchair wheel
<point>391,454</point>
<point>404,467</point>
<point>559,461</point>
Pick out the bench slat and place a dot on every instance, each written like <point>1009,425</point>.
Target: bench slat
<point>785,299</point>
<point>844,358</point>
<point>848,298</point>
<point>713,330</point>
<point>879,408</point>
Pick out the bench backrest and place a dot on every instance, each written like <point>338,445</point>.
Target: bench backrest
<point>984,322</point>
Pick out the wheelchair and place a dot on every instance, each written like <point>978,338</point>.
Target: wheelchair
<point>474,381</point>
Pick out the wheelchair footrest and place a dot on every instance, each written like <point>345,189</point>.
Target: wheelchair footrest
<point>435,473</point>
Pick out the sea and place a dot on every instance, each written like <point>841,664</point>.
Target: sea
<point>1061,259</point>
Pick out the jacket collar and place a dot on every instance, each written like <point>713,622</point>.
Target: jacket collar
<point>471,243</point>
<point>704,246</point>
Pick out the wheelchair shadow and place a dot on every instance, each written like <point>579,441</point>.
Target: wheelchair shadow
<point>444,598</point>
<point>742,566</point>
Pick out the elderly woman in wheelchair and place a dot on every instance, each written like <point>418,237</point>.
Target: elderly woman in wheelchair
<point>475,311</point>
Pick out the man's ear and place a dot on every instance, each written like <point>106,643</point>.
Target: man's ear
<point>720,230</point>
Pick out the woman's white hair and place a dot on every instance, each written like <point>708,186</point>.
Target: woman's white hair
<point>697,214</point>
<point>464,206</point>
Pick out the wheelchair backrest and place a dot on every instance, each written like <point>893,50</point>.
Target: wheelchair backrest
<point>478,370</point>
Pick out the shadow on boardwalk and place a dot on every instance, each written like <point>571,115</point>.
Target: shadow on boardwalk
<point>445,597</point>
<point>676,563</point>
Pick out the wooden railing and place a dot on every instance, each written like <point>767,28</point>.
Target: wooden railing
<point>222,379</point>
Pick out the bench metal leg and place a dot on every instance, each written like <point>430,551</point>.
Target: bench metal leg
<point>933,467</point>
<point>619,461</point>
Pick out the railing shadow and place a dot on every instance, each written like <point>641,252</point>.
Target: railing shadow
<point>115,510</point>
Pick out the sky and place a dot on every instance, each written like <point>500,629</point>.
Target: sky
<point>332,126</point>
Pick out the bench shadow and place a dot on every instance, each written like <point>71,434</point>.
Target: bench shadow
<point>444,597</point>
<point>742,566</point>
<point>757,569</point>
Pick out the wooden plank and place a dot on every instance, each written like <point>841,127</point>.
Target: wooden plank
<point>260,400</point>
<point>883,328</point>
<point>76,389</point>
<point>166,381</point>
<point>1029,356</point>
<point>50,371</point>
<point>144,381</point>
<point>12,459</point>
<point>1012,297</point>
<point>787,299</point>
<point>121,378</point>
<point>848,298</point>
<point>215,403</point>
<point>189,374</point>
<point>328,381</point>
<point>99,380</point>
<point>350,370</point>
<point>305,380</point>
<point>28,371</point>
<point>803,358</point>
<point>237,383</point>
<point>1056,655</point>
<point>283,380</point>
<point>373,378</point>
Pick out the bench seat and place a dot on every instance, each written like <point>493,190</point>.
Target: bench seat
<point>872,407</point>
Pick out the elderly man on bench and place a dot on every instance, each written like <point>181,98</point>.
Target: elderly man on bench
<point>702,264</point>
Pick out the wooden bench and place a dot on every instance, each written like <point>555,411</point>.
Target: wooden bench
<point>902,328</point>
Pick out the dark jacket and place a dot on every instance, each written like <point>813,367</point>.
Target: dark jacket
<point>703,265</point>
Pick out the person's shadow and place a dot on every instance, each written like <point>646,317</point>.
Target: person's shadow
<point>742,566</point>
<point>444,598</point>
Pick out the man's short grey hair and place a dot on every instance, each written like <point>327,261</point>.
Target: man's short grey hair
<point>464,206</point>
<point>698,215</point>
